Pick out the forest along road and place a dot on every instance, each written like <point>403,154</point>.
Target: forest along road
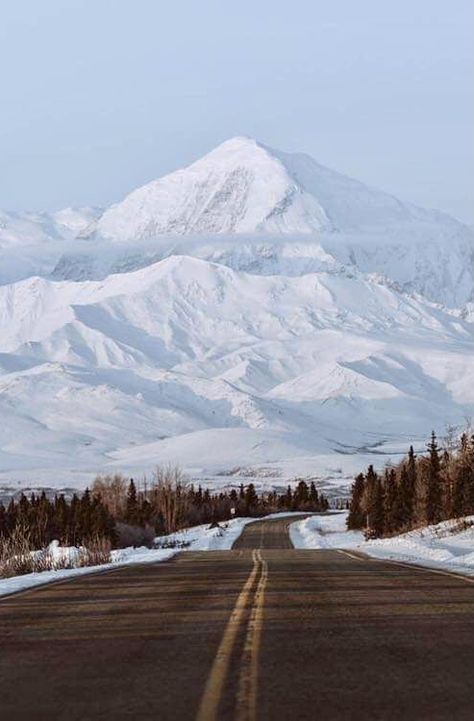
<point>260,632</point>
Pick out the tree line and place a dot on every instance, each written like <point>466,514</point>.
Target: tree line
<point>117,510</point>
<point>420,490</point>
<point>42,520</point>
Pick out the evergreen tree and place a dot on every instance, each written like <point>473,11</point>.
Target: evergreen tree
<point>251,499</point>
<point>131,512</point>
<point>61,519</point>
<point>374,503</point>
<point>314,497</point>
<point>301,496</point>
<point>234,499</point>
<point>391,520</point>
<point>3,522</point>
<point>75,520</point>
<point>356,518</point>
<point>85,518</point>
<point>405,499</point>
<point>434,511</point>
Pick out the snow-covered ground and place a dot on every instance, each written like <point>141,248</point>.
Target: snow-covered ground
<point>197,538</point>
<point>448,545</point>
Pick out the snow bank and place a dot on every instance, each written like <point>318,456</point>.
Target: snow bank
<point>324,532</point>
<point>199,538</point>
<point>124,557</point>
<point>448,545</point>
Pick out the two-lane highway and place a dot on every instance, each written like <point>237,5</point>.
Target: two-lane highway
<point>260,632</point>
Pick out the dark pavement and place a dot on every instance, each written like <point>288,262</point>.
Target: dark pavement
<point>269,634</point>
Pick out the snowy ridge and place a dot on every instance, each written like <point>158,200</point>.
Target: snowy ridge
<point>26,229</point>
<point>441,270</point>
<point>191,361</point>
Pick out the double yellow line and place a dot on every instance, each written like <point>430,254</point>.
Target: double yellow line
<point>246,701</point>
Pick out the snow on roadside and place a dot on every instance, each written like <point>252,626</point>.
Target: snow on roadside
<point>199,538</point>
<point>324,531</point>
<point>203,538</point>
<point>448,545</point>
<point>442,546</point>
<point>129,556</point>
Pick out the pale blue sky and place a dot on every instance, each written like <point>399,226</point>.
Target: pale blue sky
<point>99,96</point>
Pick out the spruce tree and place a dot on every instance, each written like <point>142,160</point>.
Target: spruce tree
<point>356,517</point>
<point>131,512</point>
<point>301,495</point>
<point>85,527</point>
<point>405,499</point>
<point>390,503</point>
<point>374,504</point>
<point>314,497</point>
<point>288,498</point>
<point>251,499</point>
<point>434,510</point>
<point>411,475</point>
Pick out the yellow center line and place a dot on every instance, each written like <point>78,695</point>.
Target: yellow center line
<point>215,683</point>
<point>246,707</point>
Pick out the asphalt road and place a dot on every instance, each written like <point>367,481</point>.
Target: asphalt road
<point>263,632</point>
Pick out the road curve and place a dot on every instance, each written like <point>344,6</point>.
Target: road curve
<point>262,632</point>
<point>273,533</point>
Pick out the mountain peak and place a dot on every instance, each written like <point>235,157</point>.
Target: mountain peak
<point>238,187</point>
<point>244,186</point>
<point>236,142</point>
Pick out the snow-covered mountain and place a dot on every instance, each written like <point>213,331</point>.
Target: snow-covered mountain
<point>27,229</point>
<point>190,361</point>
<point>245,187</point>
<point>253,311</point>
<point>254,209</point>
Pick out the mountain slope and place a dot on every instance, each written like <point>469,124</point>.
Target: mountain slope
<point>243,186</point>
<point>254,209</point>
<point>239,187</point>
<point>157,365</point>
